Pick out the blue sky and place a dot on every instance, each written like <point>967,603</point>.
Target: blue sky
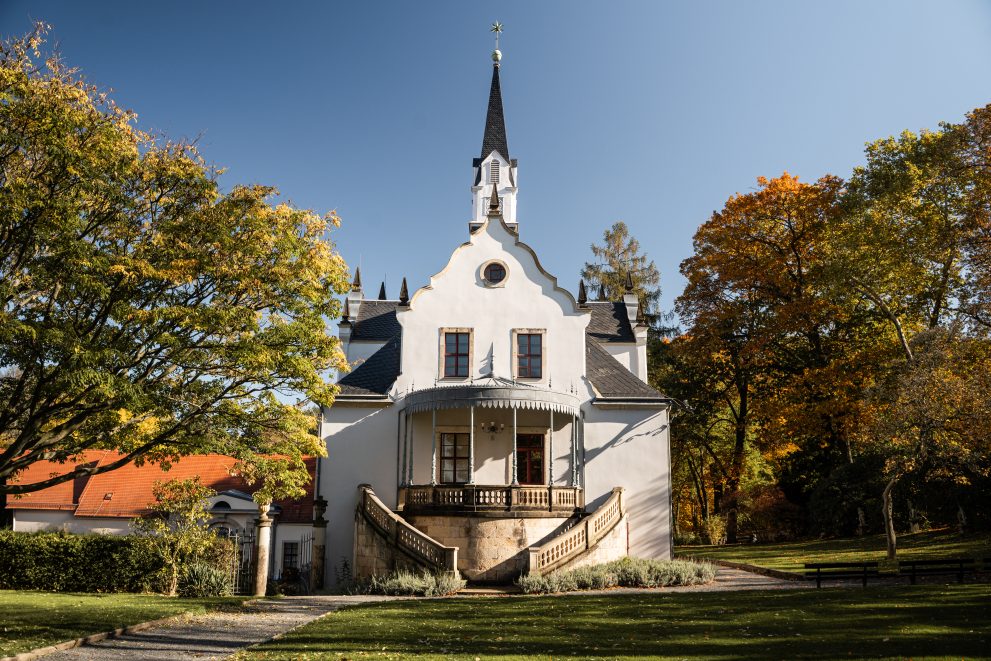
<point>648,112</point>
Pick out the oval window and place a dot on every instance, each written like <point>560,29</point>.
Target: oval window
<point>495,273</point>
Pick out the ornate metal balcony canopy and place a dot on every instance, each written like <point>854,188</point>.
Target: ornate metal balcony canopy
<point>492,392</point>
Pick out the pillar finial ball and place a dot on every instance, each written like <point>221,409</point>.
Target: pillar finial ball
<point>496,55</point>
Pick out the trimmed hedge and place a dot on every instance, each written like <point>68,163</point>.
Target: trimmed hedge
<point>64,562</point>
<point>405,583</point>
<point>625,572</point>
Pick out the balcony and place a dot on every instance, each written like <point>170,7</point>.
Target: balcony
<point>494,499</point>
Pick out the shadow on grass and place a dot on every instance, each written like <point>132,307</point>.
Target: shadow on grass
<point>791,556</point>
<point>29,620</point>
<point>948,621</point>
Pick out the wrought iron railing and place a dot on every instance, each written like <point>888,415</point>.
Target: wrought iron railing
<point>404,536</point>
<point>579,538</point>
<point>476,497</point>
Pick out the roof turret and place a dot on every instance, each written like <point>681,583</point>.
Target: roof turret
<point>494,138</point>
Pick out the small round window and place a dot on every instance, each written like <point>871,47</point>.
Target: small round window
<point>494,273</point>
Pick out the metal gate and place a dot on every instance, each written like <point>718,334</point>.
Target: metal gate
<point>241,570</point>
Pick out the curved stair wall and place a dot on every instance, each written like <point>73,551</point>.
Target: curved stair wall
<point>384,542</point>
<point>599,537</point>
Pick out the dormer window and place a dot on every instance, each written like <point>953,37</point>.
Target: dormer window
<point>494,172</point>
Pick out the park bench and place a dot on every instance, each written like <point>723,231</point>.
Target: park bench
<point>821,571</point>
<point>944,567</point>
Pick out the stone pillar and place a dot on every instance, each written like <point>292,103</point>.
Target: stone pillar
<point>433,456</point>
<point>263,542</point>
<point>317,577</point>
<point>409,431</point>
<point>574,450</point>
<point>405,474</point>
<point>471,445</point>
<point>550,453</point>
<point>516,480</point>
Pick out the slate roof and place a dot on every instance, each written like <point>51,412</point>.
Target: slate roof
<point>130,487</point>
<point>376,321</point>
<point>375,376</point>
<point>494,138</point>
<point>609,322</point>
<point>612,381</point>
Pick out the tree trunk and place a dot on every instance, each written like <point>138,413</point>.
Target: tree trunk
<point>913,519</point>
<point>733,486</point>
<point>887,509</point>
<point>264,543</point>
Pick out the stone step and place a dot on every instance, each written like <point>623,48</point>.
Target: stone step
<point>489,590</point>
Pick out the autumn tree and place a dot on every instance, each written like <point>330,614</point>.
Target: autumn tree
<point>909,245</point>
<point>973,142</point>
<point>754,309</point>
<point>617,258</point>
<point>144,309</point>
<point>932,416</point>
<point>177,526</point>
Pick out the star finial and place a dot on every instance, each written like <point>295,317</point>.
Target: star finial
<point>497,29</point>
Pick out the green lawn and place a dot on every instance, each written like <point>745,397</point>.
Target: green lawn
<point>886,622</point>
<point>791,556</point>
<point>29,620</point>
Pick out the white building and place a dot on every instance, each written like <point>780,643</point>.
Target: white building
<point>108,503</point>
<point>494,420</point>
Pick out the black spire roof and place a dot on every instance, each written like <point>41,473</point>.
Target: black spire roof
<point>495,124</point>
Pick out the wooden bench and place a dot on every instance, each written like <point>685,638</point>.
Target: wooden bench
<point>944,567</point>
<point>821,571</point>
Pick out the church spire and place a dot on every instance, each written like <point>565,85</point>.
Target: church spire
<point>494,138</point>
<point>494,171</point>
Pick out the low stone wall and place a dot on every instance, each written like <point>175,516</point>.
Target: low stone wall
<point>613,546</point>
<point>490,549</point>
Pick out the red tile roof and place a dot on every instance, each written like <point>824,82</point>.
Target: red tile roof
<point>127,491</point>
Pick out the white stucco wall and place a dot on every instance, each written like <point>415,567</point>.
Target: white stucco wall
<point>361,449</point>
<point>626,354</point>
<point>457,297</point>
<point>359,352</point>
<point>286,532</point>
<point>630,448</point>
<point>51,520</point>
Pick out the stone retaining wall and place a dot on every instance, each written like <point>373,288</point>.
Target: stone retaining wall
<point>490,549</point>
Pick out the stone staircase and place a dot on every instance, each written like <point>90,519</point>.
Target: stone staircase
<point>600,536</point>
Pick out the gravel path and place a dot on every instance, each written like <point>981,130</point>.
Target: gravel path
<point>213,636</point>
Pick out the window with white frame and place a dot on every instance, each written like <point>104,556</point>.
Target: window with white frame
<point>494,172</point>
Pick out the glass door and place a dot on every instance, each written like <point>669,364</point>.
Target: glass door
<point>530,458</point>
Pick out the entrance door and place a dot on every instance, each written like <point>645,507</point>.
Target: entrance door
<point>530,458</point>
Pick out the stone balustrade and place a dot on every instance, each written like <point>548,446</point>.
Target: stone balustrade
<point>579,538</point>
<point>405,537</point>
<point>481,498</point>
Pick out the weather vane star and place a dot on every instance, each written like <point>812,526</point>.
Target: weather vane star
<point>497,29</point>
